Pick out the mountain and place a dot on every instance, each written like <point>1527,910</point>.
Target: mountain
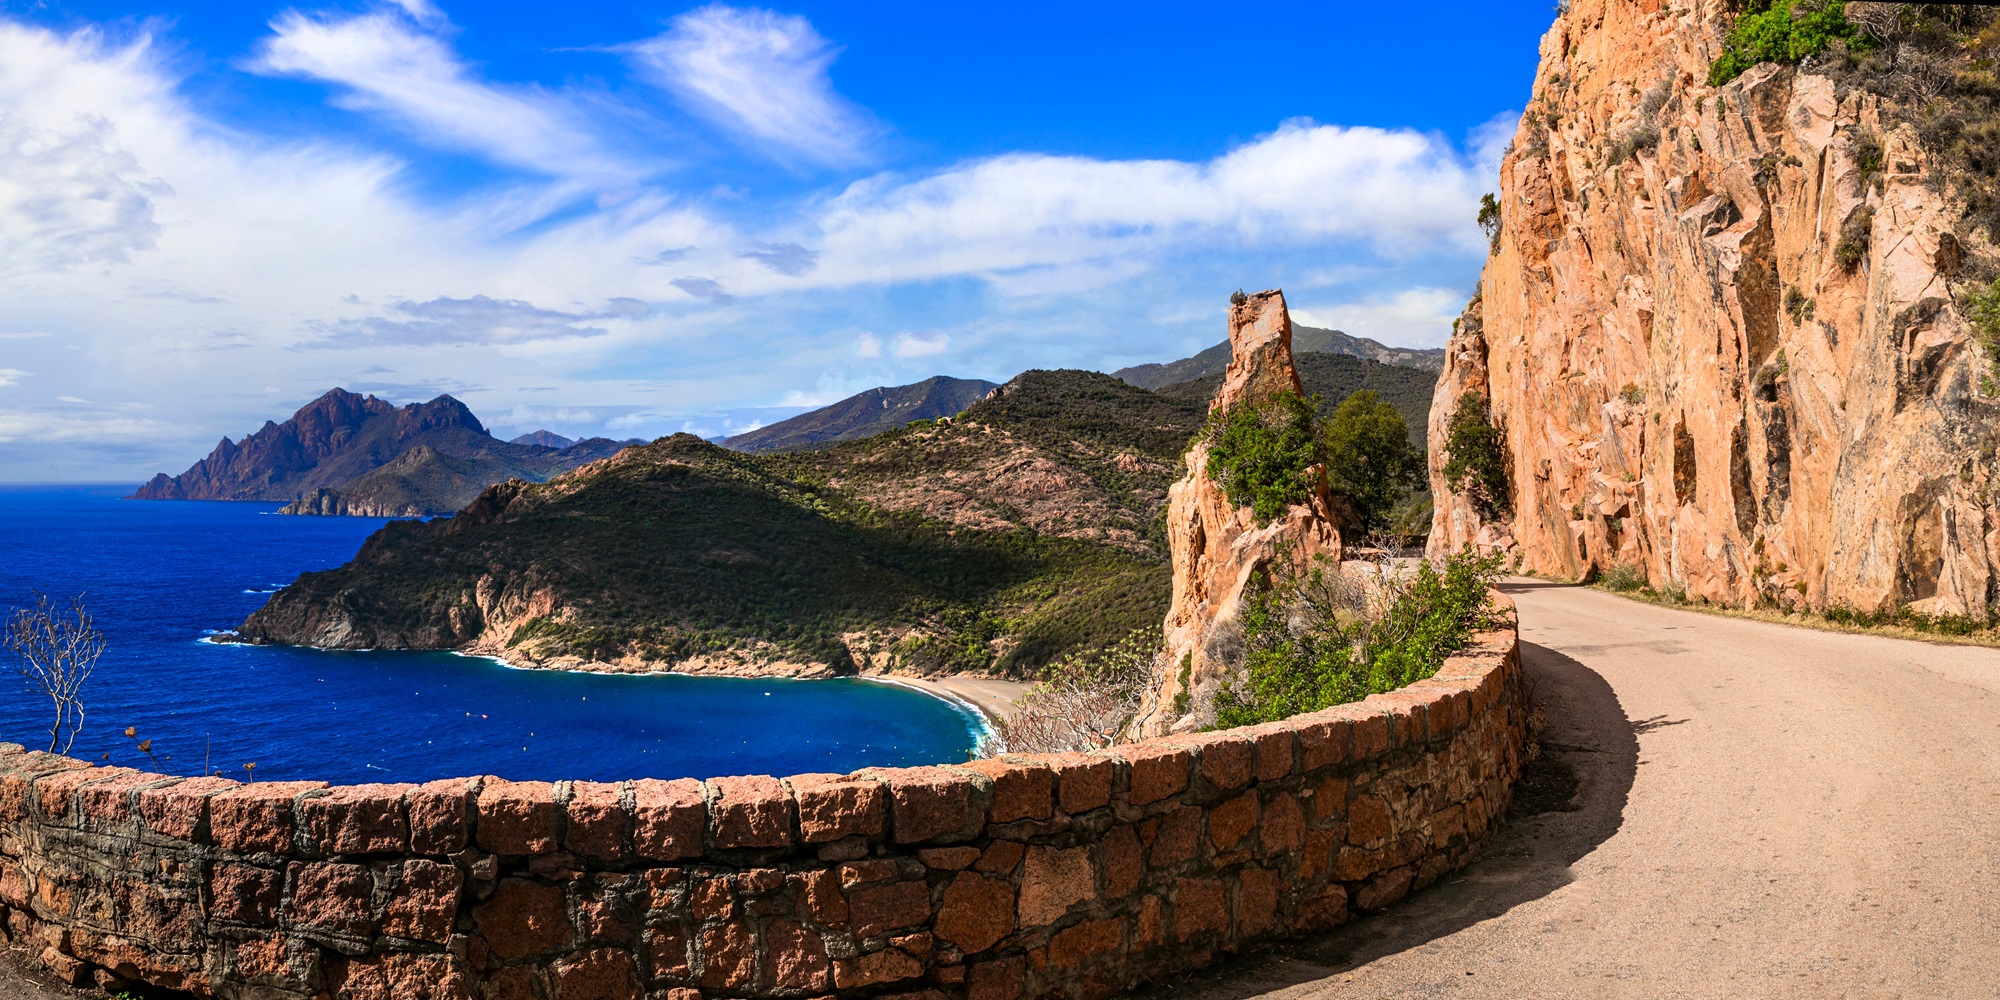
<point>420,459</point>
<point>1305,340</point>
<point>865,415</point>
<point>1736,332</point>
<point>1334,377</point>
<point>995,540</point>
<point>544,439</point>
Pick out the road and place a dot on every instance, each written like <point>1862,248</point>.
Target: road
<point>1758,811</point>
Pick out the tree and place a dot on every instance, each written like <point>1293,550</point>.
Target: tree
<point>1475,459</point>
<point>1369,458</point>
<point>1489,219</point>
<point>56,654</point>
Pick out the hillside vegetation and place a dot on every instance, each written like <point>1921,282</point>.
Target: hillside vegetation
<point>1026,527</point>
<point>1333,378</point>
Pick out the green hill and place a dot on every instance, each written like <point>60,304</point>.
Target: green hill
<point>1334,377</point>
<point>866,414</point>
<point>997,540</point>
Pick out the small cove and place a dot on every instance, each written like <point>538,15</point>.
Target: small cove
<point>162,575</point>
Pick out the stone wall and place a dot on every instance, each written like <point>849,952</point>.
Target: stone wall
<point>1075,875</point>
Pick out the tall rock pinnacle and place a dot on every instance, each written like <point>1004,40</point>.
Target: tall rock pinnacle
<point>1218,548</point>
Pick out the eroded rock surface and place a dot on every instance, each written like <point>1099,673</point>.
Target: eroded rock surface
<point>1721,344</point>
<point>1218,548</point>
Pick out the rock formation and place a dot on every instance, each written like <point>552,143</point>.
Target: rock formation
<point>345,453</point>
<point>1218,548</point>
<point>1719,337</point>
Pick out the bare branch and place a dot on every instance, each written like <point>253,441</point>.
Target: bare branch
<point>56,653</point>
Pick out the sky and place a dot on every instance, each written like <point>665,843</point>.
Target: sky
<point>629,219</point>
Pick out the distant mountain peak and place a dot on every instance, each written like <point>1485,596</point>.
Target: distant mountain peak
<point>544,439</point>
<point>1305,340</point>
<point>866,414</point>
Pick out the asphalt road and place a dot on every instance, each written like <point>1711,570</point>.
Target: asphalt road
<point>1723,808</point>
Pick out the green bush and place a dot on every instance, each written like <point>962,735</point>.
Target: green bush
<point>1982,312</point>
<point>1772,33</point>
<point>1489,220</point>
<point>1263,456</point>
<point>1307,649</point>
<point>1369,458</point>
<point>1475,464</point>
<point>1622,578</point>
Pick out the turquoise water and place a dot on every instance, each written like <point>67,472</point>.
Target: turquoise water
<point>162,575</point>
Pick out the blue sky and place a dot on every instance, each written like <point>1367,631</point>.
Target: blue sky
<point>633,218</point>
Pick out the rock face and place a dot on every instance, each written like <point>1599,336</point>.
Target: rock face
<point>1218,548</point>
<point>1721,346</point>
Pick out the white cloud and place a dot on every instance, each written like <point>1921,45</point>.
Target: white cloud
<point>475,320</point>
<point>416,80</point>
<point>867,345</point>
<point>1413,317</point>
<point>539,417</point>
<point>1398,192</point>
<point>9,376</point>
<point>28,425</point>
<point>760,74</point>
<point>1488,143</point>
<point>921,345</point>
<point>424,12</point>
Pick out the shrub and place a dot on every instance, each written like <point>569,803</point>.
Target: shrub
<point>1489,220</point>
<point>1773,33</point>
<point>1313,644</point>
<point>1797,305</point>
<point>1632,394</point>
<point>1263,456</point>
<point>1369,458</point>
<point>1622,578</point>
<point>1474,461</point>
<point>1982,313</point>
<point>1852,248</point>
<point>1084,701</point>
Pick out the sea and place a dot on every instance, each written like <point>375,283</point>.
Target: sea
<point>162,578</point>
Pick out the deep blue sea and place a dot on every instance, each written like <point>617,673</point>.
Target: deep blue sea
<point>162,575</point>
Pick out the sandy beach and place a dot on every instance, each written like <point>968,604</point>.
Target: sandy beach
<point>993,696</point>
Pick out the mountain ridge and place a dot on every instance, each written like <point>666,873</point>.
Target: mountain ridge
<point>1305,340</point>
<point>865,414</point>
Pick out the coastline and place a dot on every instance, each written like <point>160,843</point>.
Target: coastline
<point>991,697</point>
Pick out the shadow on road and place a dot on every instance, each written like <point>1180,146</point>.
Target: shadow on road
<point>1570,799</point>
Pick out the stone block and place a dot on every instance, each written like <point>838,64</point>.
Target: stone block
<point>834,807</point>
<point>795,958</point>
<point>886,966</point>
<point>949,859</point>
<point>1053,880</point>
<point>424,905</point>
<point>55,794</point>
<point>877,908</point>
<point>977,912</point>
<point>1284,825</point>
<point>1225,760</point>
<point>1075,945</point>
<point>1000,980</point>
<point>667,955</point>
<point>1157,771</point>
<point>1121,862</point>
<point>1382,890</point>
<point>597,974</point>
<point>669,819</point>
<point>1325,738</point>
<point>398,976</point>
<point>820,900</point>
<point>598,824</point>
<point>931,803</point>
<point>524,919</point>
<point>17,778</point>
<point>516,818</point>
<point>180,811</point>
<point>1231,821</point>
<point>356,819</point>
<point>749,812</point>
<point>1276,749</point>
<point>1001,856</point>
<point>1257,902</point>
<point>1368,820</point>
<point>1023,788</point>
<point>108,802</point>
<point>256,817</point>
<point>440,814</point>
<point>1177,838</point>
<point>729,956</point>
<point>1083,781</point>
<point>330,898</point>
<point>1201,906</point>
<point>245,894</point>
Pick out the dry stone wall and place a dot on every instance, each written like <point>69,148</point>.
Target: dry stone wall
<point>1073,875</point>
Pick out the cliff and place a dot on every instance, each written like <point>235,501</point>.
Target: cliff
<point>1721,333</point>
<point>352,454</point>
<point>1219,549</point>
<point>994,541</point>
